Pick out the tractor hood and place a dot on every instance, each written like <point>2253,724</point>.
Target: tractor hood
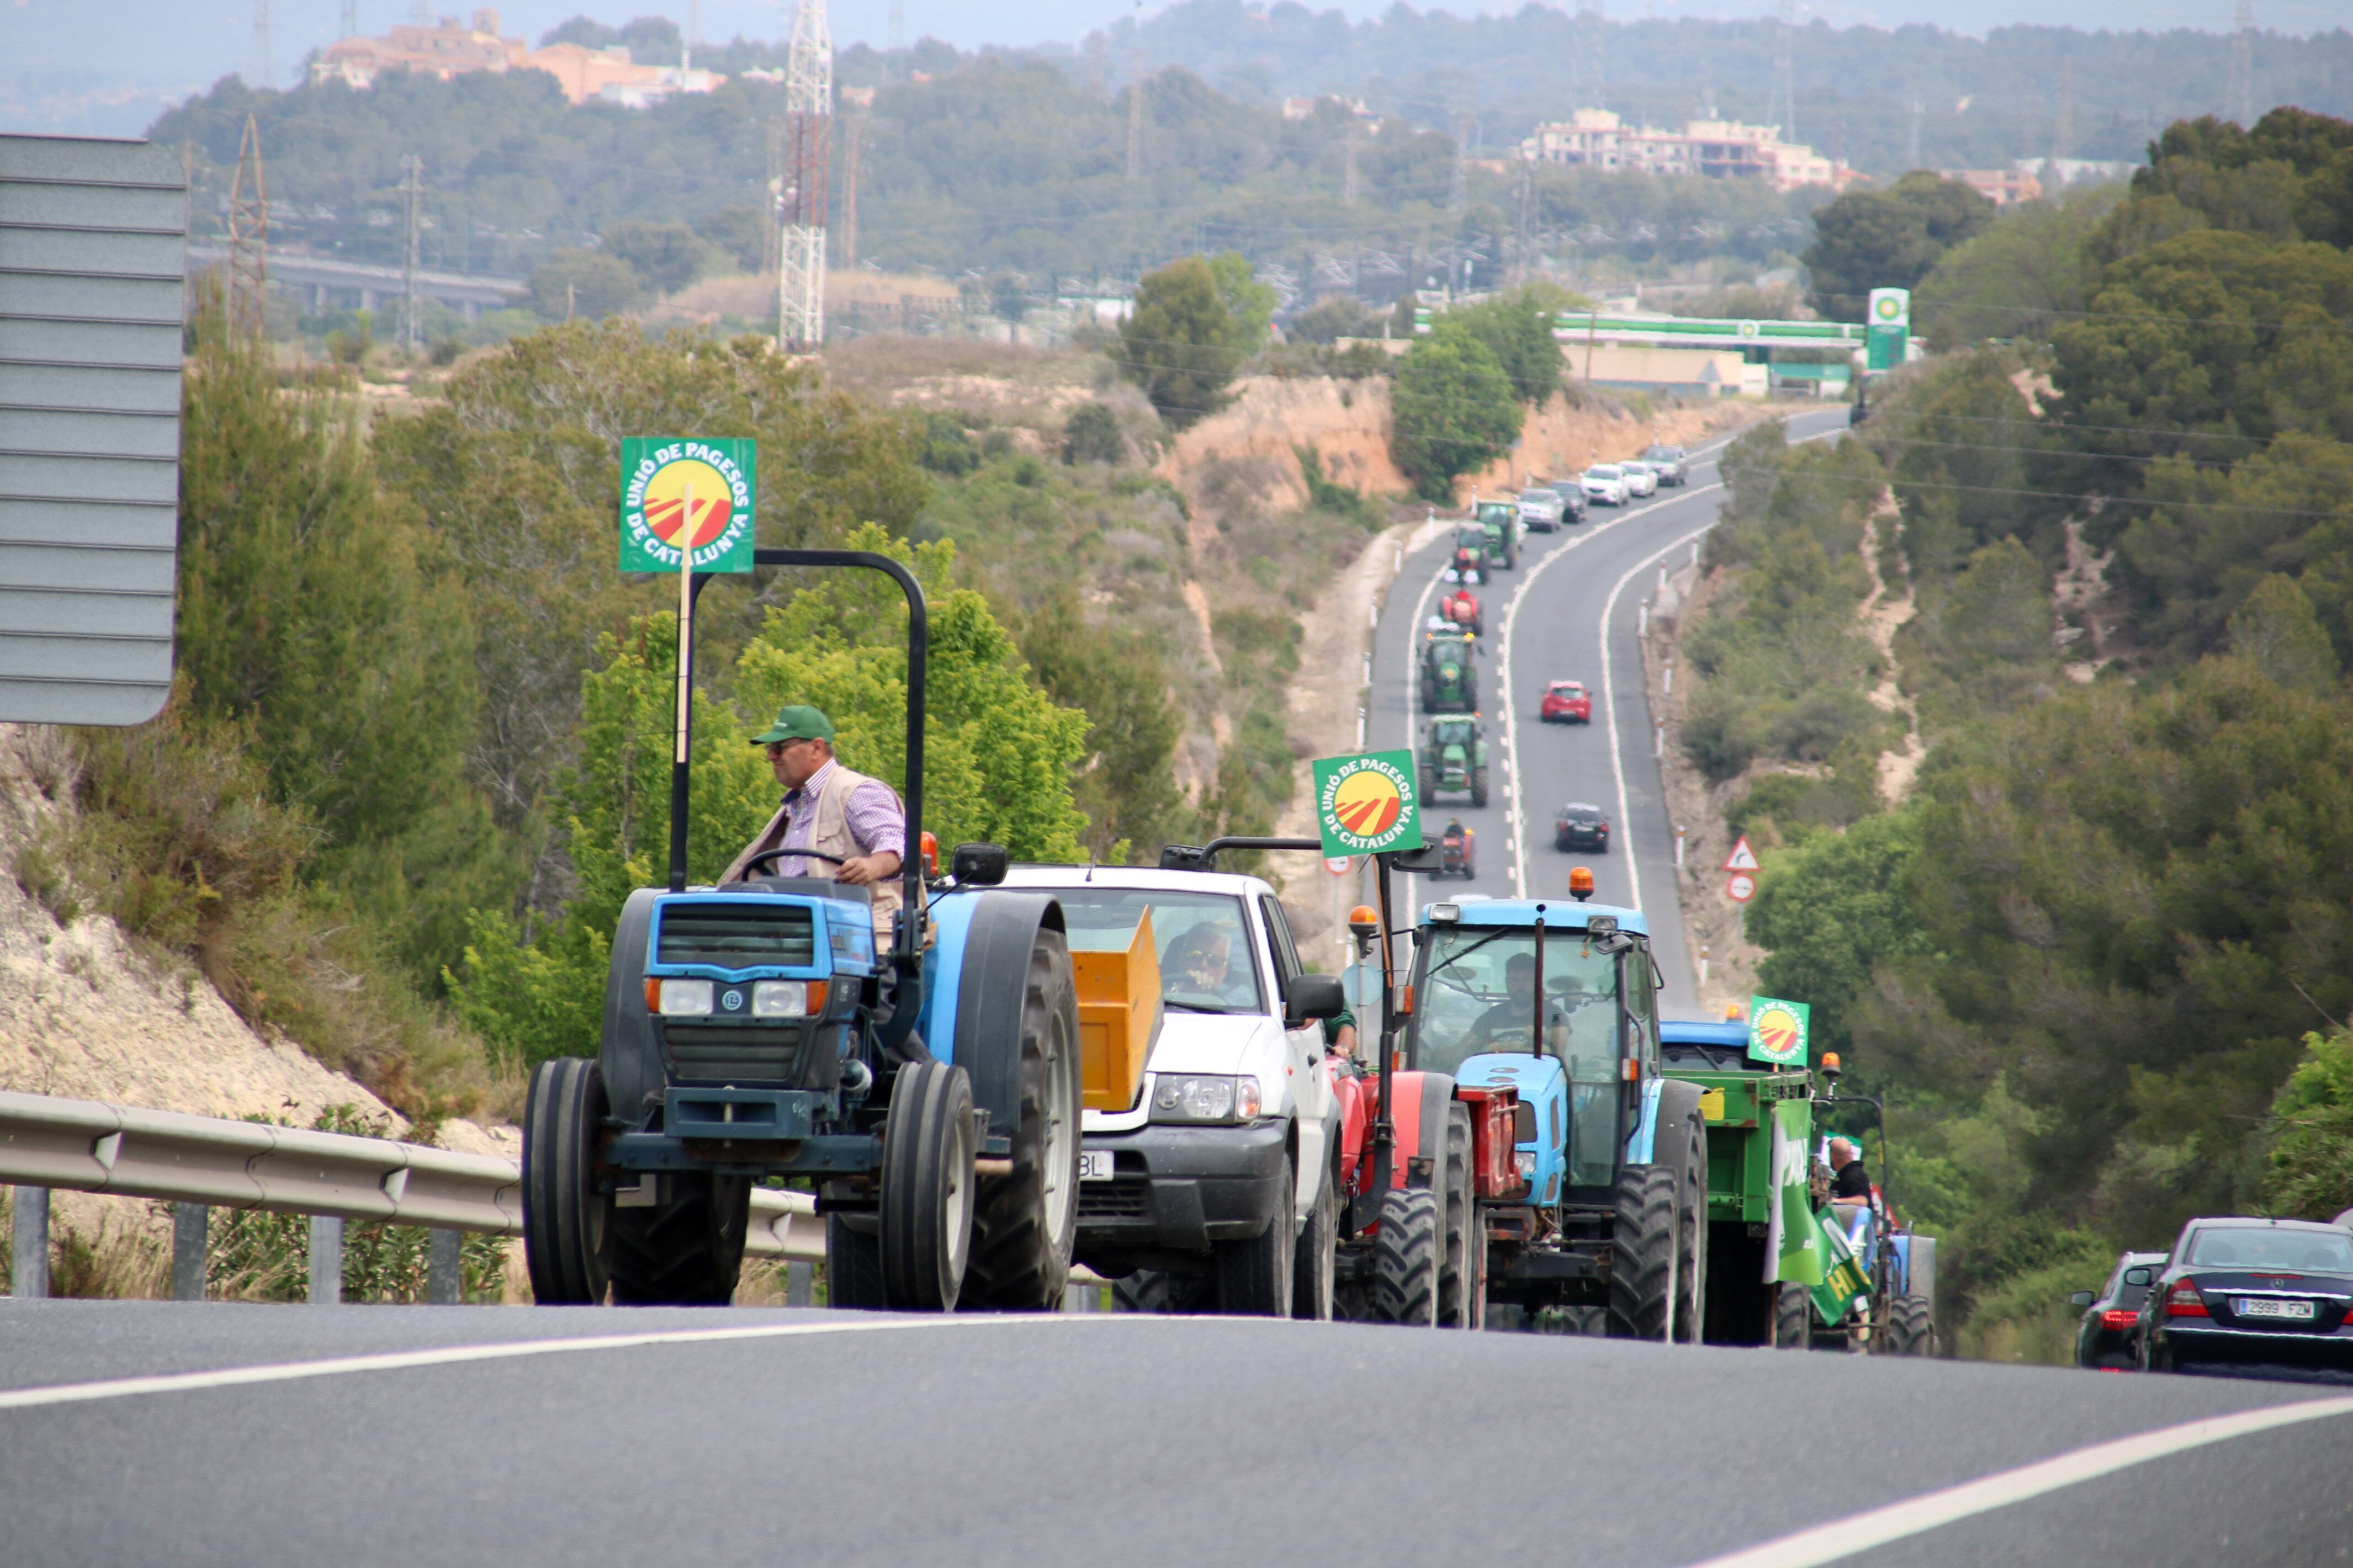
<point>1206,1043</point>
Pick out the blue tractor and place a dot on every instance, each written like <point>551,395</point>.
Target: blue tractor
<point>1571,1172</point>
<point>925,1078</point>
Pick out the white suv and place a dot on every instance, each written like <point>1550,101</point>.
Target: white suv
<point>1641,480</point>
<point>1605,483</point>
<point>1216,1184</point>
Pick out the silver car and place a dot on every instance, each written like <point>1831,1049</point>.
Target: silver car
<point>1670,463</point>
<point>1604,484</point>
<point>1539,510</point>
<point>1641,480</point>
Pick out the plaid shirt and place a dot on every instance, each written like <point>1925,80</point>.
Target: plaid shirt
<point>872,814</point>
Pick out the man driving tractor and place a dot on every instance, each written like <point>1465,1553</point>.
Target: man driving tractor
<point>1463,609</point>
<point>852,825</point>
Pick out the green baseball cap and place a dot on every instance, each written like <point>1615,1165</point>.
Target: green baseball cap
<point>794,722</point>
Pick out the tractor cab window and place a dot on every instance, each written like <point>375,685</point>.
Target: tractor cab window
<point>1207,963</point>
<point>1477,995</point>
<point>1452,732</point>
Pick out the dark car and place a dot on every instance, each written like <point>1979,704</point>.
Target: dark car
<point>1671,463</point>
<point>2250,1293</point>
<point>1581,826</point>
<point>2104,1340</point>
<point>1572,500</point>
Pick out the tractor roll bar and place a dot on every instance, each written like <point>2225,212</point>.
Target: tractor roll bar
<point>1187,858</point>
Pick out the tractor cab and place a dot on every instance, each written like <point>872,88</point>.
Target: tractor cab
<point>1469,561</point>
<point>1499,527</point>
<point>1594,1074</point>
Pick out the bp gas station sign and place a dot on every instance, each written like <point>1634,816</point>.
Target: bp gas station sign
<point>1887,323</point>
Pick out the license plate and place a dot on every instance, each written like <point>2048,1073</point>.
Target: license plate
<point>2246,1307</point>
<point>1094,1166</point>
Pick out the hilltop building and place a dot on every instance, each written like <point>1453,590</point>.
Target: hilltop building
<point>448,48</point>
<point>1715,149</point>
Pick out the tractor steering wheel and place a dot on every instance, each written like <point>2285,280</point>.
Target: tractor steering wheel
<point>773,856</point>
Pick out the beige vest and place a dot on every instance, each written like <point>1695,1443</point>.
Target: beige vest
<point>829,835</point>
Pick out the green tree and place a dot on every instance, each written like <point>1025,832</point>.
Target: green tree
<point>1888,240</point>
<point>668,256</point>
<point>585,285</point>
<point>2311,1154</point>
<point>1250,304</point>
<point>2275,629</point>
<point>1517,329</point>
<point>741,233</point>
<point>1090,435</point>
<point>1177,343</point>
<point>1453,411</point>
<point>1125,783</point>
<point>2018,278</point>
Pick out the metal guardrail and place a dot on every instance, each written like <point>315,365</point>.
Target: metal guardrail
<point>202,1163</point>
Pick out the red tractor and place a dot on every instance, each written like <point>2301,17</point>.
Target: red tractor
<point>1462,607</point>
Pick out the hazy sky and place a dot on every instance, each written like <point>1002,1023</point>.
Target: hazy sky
<point>107,66</point>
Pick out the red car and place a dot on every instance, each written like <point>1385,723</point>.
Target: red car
<point>1565,702</point>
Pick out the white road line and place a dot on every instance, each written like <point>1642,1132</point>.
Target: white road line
<point>454,1355</point>
<point>1860,1533</point>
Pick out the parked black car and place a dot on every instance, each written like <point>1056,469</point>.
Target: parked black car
<point>2105,1342</point>
<point>1581,826</point>
<point>2251,1292</point>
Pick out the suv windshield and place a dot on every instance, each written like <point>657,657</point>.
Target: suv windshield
<point>1606,471</point>
<point>1478,994</point>
<point>1203,942</point>
<point>1663,454</point>
<point>2253,1246</point>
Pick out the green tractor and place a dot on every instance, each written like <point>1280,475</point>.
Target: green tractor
<point>1500,522</point>
<point>1449,682</point>
<point>1454,759</point>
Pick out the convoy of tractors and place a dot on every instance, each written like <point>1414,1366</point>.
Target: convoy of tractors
<point>1024,1071</point>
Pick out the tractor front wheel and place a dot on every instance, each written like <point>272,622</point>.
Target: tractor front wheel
<point>1462,1270</point>
<point>565,1238</point>
<point>1024,1224</point>
<point>1793,1318</point>
<point>853,1265</point>
<point>1643,1247</point>
<point>1911,1327</point>
<point>1406,1259</point>
<point>928,1144</point>
<point>1479,786</point>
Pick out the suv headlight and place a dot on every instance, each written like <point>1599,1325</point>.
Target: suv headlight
<point>1205,1096</point>
<point>685,998</point>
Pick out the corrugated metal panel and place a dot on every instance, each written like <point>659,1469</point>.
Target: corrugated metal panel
<point>92,245</point>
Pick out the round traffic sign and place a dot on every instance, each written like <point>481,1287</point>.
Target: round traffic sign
<point>1338,864</point>
<point>1740,887</point>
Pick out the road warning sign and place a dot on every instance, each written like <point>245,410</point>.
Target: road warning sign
<point>1742,858</point>
<point>1740,887</point>
<point>1365,804</point>
<point>686,495</point>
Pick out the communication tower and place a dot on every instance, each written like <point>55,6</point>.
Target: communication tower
<point>248,236</point>
<point>2243,65</point>
<point>808,118</point>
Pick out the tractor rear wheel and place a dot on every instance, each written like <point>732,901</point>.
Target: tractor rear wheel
<point>1462,1269</point>
<point>853,1265</point>
<point>686,1249</point>
<point>1643,1247</point>
<point>1911,1327</point>
<point>1690,1240</point>
<point>1315,1268</point>
<point>1793,1318</point>
<point>1023,1224</point>
<point>1406,1259</point>
<point>1479,786</point>
<point>1254,1277</point>
<point>565,1239</point>
<point>927,1187</point>
<point>1157,1291</point>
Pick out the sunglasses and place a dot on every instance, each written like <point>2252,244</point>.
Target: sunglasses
<point>779,748</point>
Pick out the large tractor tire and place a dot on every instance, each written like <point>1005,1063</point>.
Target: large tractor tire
<point>685,1249</point>
<point>567,1240</point>
<point>1316,1266</point>
<point>928,1143</point>
<point>853,1265</point>
<point>1159,1291</point>
<point>1024,1223</point>
<point>1406,1259</point>
<point>1911,1327</point>
<point>1478,786</point>
<point>627,1054</point>
<point>1793,1318</point>
<point>1462,1266</point>
<point>1691,1241</point>
<point>1254,1277</point>
<point>1643,1250</point>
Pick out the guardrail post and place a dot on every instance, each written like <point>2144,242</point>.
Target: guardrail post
<point>189,1223</point>
<point>326,1260</point>
<point>1079,1298</point>
<point>29,1276</point>
<point>800,1284</point>
<point>444,1267</point>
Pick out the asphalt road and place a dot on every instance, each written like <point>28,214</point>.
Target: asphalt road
<point>1568,612</point>
<point>851,1439</point>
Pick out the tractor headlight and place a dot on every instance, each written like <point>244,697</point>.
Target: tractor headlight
<point>780,999</point>
<point>1523,1161</point>
<point>1205,1096</point>
<point>685,999</point>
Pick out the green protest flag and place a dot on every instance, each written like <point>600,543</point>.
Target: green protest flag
<point>1777,1031</point>
<point>1365,804</point>
<point>1793,1239</point>
<point>687,494</point>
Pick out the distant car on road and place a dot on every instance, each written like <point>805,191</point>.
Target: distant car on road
<point>1641,480</point>
<point>2251,1292</point>
<point>1604,484</point>
<point>1565,702</point>
<point>1669,462</point>
<point>1539,510</point>
<point>2104,1340</point>
<point>1582,827</point>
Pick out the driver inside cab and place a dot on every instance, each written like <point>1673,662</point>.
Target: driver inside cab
<point>858,824</point>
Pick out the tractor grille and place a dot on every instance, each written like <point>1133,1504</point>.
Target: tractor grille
<point>738,1054</point>
<point>1118,1199</point>
<point>738,936</point>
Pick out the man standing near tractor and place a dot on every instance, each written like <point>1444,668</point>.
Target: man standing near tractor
<point>845,818</point>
